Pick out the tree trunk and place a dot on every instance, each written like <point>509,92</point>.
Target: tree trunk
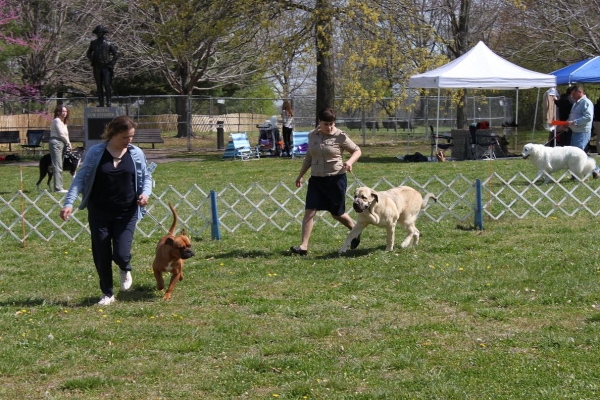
<point>324,50</point>
<point>182,108</point>
<point>461,35</point>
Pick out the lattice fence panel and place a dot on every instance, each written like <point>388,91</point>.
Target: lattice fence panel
<point>520,196</point>
<point>257,207</point>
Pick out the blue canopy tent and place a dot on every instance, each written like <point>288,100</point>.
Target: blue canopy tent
<point>585,71</point>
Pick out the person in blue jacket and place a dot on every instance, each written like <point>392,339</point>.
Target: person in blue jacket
<point>580,118</point>
<point>115,185</point>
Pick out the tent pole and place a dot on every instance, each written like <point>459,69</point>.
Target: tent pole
<point>537,101</point>
<point>517,118</point>
<point>517,109</point>
<point>437,125</point>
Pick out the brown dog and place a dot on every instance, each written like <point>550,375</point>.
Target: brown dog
<point>170,253</point>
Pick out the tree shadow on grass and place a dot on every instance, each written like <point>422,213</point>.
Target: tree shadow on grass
<point>30,302</point>
<point>241,253</point>
<point>366,159</point>
<point>138,293</point>
<point>466,228</point>
<point>42,302</point>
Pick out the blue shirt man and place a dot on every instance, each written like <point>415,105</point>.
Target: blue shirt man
<point>580,118</point>
<point>580,121</point>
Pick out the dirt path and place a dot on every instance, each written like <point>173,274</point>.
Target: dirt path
<point>159,156</point>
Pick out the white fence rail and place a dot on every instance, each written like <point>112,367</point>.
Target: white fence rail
<point>26,217</point>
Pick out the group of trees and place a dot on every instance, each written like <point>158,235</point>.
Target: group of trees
<point>359,50</point>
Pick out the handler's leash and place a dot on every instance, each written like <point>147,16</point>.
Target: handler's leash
<point>556,136</point>
<point>356,179</point>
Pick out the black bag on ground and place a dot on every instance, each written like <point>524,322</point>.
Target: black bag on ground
<point>417,157</point>
<point>13,157</point>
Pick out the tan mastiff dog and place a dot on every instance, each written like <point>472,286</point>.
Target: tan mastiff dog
<point>399,205</point>
<point>170,253</point>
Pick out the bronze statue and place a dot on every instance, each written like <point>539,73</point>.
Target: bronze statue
<point>103,55</point>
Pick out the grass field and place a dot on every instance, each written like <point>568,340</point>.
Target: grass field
<point>511,312</point>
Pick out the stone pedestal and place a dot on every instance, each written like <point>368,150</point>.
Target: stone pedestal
<point>95,120</point>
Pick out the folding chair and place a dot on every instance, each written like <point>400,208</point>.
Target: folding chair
<point>437,145</point>
<point>484,146</point>
<point>239,147</point>
<point>34,140</point>
<point>299,144</point>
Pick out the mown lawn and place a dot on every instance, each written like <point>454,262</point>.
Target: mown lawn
<point>508,312</point>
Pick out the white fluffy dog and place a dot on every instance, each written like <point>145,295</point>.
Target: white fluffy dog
<point>550,159</point>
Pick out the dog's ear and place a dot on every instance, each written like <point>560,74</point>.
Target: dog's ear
<point>169,241</point>
<point>375,196</point>
<point>183,232</point>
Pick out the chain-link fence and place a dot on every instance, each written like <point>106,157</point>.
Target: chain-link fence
<point>199,117</point>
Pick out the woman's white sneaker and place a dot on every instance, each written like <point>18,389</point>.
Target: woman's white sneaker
<point>106,300</point>
<point>126,280</point>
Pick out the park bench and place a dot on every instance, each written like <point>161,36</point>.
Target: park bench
<point>147,136</point>
<point>358,124</point>
<point>390,124</point>
<point>395,124</point>
<point>141,136</point>
<point>76,135</point>
<point>10,137</point>
<point>405,125</point>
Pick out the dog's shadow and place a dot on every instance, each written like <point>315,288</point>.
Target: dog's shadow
<point>360,252</point>
<point>137,293</point>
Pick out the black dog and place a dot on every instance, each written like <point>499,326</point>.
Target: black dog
<point>70,164</point>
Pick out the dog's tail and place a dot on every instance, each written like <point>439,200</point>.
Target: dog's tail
<point>172,228</point>
<point>426,199</point>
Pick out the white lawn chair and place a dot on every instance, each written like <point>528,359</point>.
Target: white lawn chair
<point>299,144</point>
<point>239,148</point>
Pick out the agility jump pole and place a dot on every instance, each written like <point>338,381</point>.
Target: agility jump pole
<point>478,205</point>
<point>22,207</point>
<point>215,231</point>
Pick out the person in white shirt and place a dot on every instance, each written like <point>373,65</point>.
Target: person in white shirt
<point>59,141</point>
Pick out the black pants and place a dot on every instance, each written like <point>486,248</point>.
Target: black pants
<point>327,193</point>
<point>111,241</point>
<point>287,139</point>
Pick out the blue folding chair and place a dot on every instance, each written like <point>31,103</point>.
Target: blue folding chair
<point>34,140</point>
<point>239,147</point>
<point>299,143</point>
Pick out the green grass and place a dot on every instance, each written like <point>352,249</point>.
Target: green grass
<point>509,312</point>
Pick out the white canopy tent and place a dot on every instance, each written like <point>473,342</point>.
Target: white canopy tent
<point>481,68</point>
